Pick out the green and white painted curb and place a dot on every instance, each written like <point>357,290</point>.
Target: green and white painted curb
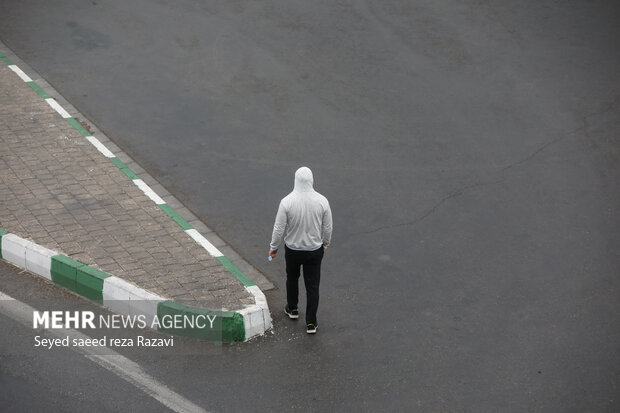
<point>96,285</point>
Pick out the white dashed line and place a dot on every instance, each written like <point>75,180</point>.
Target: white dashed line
<point>57,108</point>
<point>100,146</point>
<point>197,236</point>
<point>20,73</point>
<point>148,191</point>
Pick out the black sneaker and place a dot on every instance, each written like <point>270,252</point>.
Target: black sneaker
<point>311,328</point>
<point>292,314</point>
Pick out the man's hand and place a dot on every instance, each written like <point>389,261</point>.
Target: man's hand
<point>272,253</point>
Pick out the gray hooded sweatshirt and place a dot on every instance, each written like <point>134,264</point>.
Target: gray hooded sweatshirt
<point>305,216</point>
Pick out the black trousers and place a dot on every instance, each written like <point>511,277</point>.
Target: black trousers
<point>311,262</point>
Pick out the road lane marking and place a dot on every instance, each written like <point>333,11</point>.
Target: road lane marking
<point>111,360</point>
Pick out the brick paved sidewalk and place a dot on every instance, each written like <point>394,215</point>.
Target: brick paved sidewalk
<point>59,191</point>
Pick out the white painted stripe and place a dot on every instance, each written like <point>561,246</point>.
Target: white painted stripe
<point>110,360</point>
<point>263,308</point>
<point>14,250</point>
<point>148,191</point>
<point>100,146</point>
<point>253,321</point>
<point>57,108</point>
<point>197,236</point>
<point>27,255</point>
<point>39,259</point>
<point>259,296</point>
<point>20,73</point>
<point>133,373</point>
<point>126,298</point>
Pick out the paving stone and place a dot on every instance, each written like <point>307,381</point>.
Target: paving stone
<point>59,191</point>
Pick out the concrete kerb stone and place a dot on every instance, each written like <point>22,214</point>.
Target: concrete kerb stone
<point>253,320</point>
<point>14,250</point>
<point>39,259</point>
<point>128,299</point>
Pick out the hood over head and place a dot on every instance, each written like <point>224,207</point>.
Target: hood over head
<point>303,180</point>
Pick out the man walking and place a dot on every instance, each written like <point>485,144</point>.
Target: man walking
<point>307,219</point>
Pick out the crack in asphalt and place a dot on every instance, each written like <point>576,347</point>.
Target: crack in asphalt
<point>583,128</point>
<point>432,210</point>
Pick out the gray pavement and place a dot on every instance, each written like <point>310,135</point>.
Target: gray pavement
<point>44,374</point>
<point>469,151</point>
<point>59,191</point>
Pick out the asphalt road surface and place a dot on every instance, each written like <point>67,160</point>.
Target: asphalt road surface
<point>36,379</point>
<point>469,150</point>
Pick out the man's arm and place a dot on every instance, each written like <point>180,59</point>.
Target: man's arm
<point>278,230</point>
<point>326,227</point>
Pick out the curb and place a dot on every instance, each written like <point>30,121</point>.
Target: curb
<point>242,325</point>
<point>118,295</point>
